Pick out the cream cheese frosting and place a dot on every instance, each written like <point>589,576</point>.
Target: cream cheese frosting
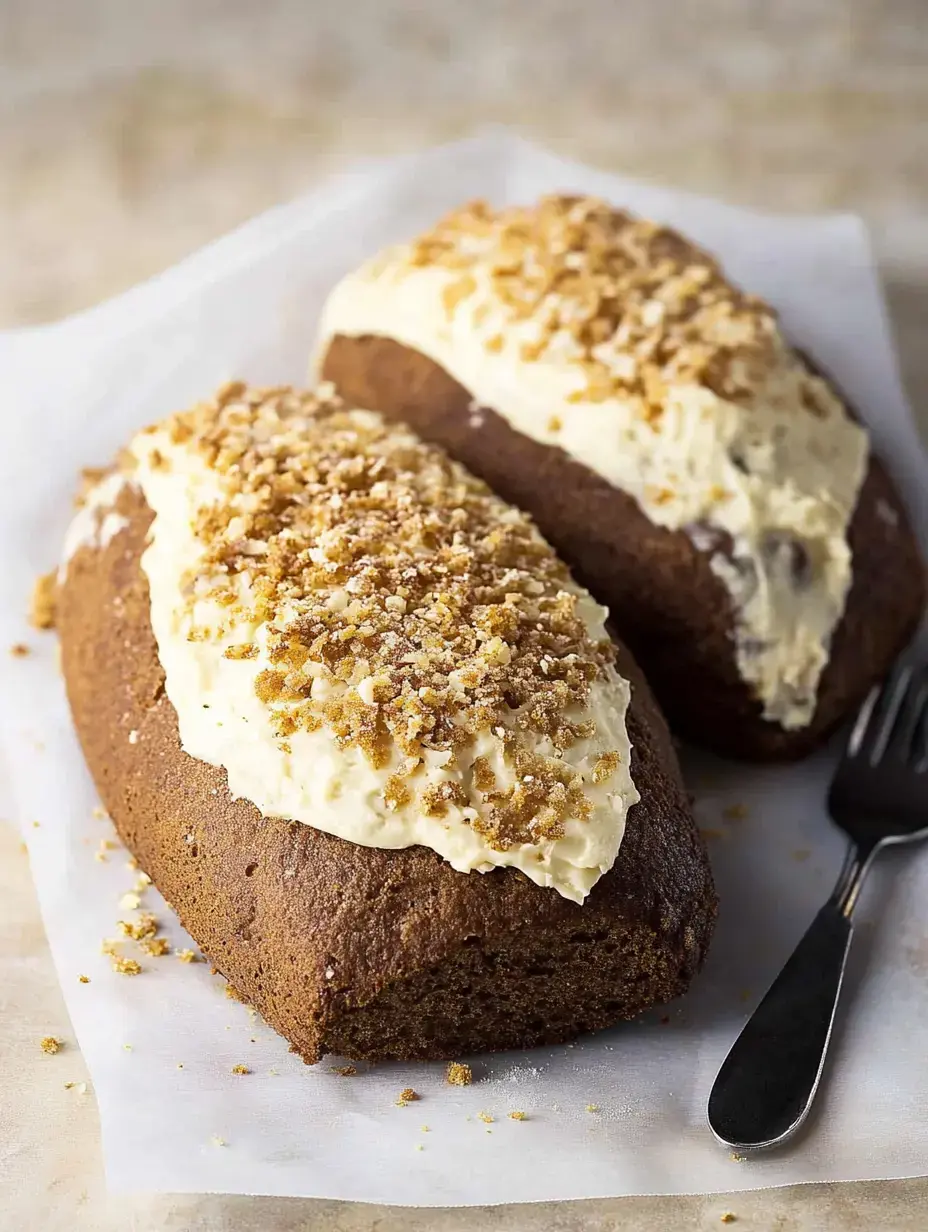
<point>96,520</point>
<point>624,345</point>
<point>368,641</point>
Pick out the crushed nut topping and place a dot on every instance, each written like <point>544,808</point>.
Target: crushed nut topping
<point>636,305</point>
<point>406,607</point>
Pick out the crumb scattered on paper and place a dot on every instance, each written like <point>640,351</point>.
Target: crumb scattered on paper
<point>592,1107</point>
<point>485,1117</point>
<point>125,966</point>
<point>407,1096</point>
<point>145,926</point>
<point>517,1116</point>
<point>728,1217</point>
<point>240,1069</point>
<point>458,1074</point>
<point>19,650</point>
<point>217,1141</point>
<point>83,979</point>
<point>50,1044</point>
<point>189,956</point>
<point>343,1071</point>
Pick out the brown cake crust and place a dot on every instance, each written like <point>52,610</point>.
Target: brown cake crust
<point>675,614</point>
<point>367,952</point>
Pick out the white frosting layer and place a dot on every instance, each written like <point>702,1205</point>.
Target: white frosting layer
<point>766,472</point>
<point>309,778</point>
<point>96,521</point>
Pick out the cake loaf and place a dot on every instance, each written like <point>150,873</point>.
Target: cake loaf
<point>369,738</point>
<point>602,373</point>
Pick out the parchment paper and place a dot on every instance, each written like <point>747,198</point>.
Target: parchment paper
<point>620,1113</point>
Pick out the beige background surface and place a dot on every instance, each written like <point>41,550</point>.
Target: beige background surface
<point>131,133</point>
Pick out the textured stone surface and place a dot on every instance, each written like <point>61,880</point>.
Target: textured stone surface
<point>132,133</point>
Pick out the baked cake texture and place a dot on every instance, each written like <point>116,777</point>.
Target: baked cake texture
<point>602,373</point>
<point>367,736</point>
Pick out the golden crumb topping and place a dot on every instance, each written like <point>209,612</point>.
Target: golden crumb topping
<point>406,608</point>
<point>50,1044</point>
<point>638,306</point>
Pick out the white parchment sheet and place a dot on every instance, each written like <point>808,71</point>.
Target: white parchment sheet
<point>247,306</point>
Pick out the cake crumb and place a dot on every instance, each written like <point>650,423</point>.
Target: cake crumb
<point>234,995</point>
<point>343,1071</point>
<point>728,1217</point>
<point>189,956</point>
<point>19,650</point>
<point>592,1107</point>
<point>145,926</point>
<point>125,966</point>
<point>419,1146</point>
<point>458,1074</point>
<point>736,812</point>
<point>99,812</point>
<point>425,1129</point>
<point>485,1117</point>
<point>180,1065</point>
<point>517,1116</point>
<point>738,1159</point>
<point>43,602</point>
<point>217,1141</point>
<point>130,901</point>
<point>127,1047</point>
<point>50,1044</point>
<point>83,979</point>
<point>240,1069</point>
<point>133,737</point>
<point>407,1095</point>
<point>156,947</point>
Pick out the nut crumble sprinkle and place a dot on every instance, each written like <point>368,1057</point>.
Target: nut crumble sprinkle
<point>407,608</point>
<point>635,305</point>
<point>50,1044</point>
